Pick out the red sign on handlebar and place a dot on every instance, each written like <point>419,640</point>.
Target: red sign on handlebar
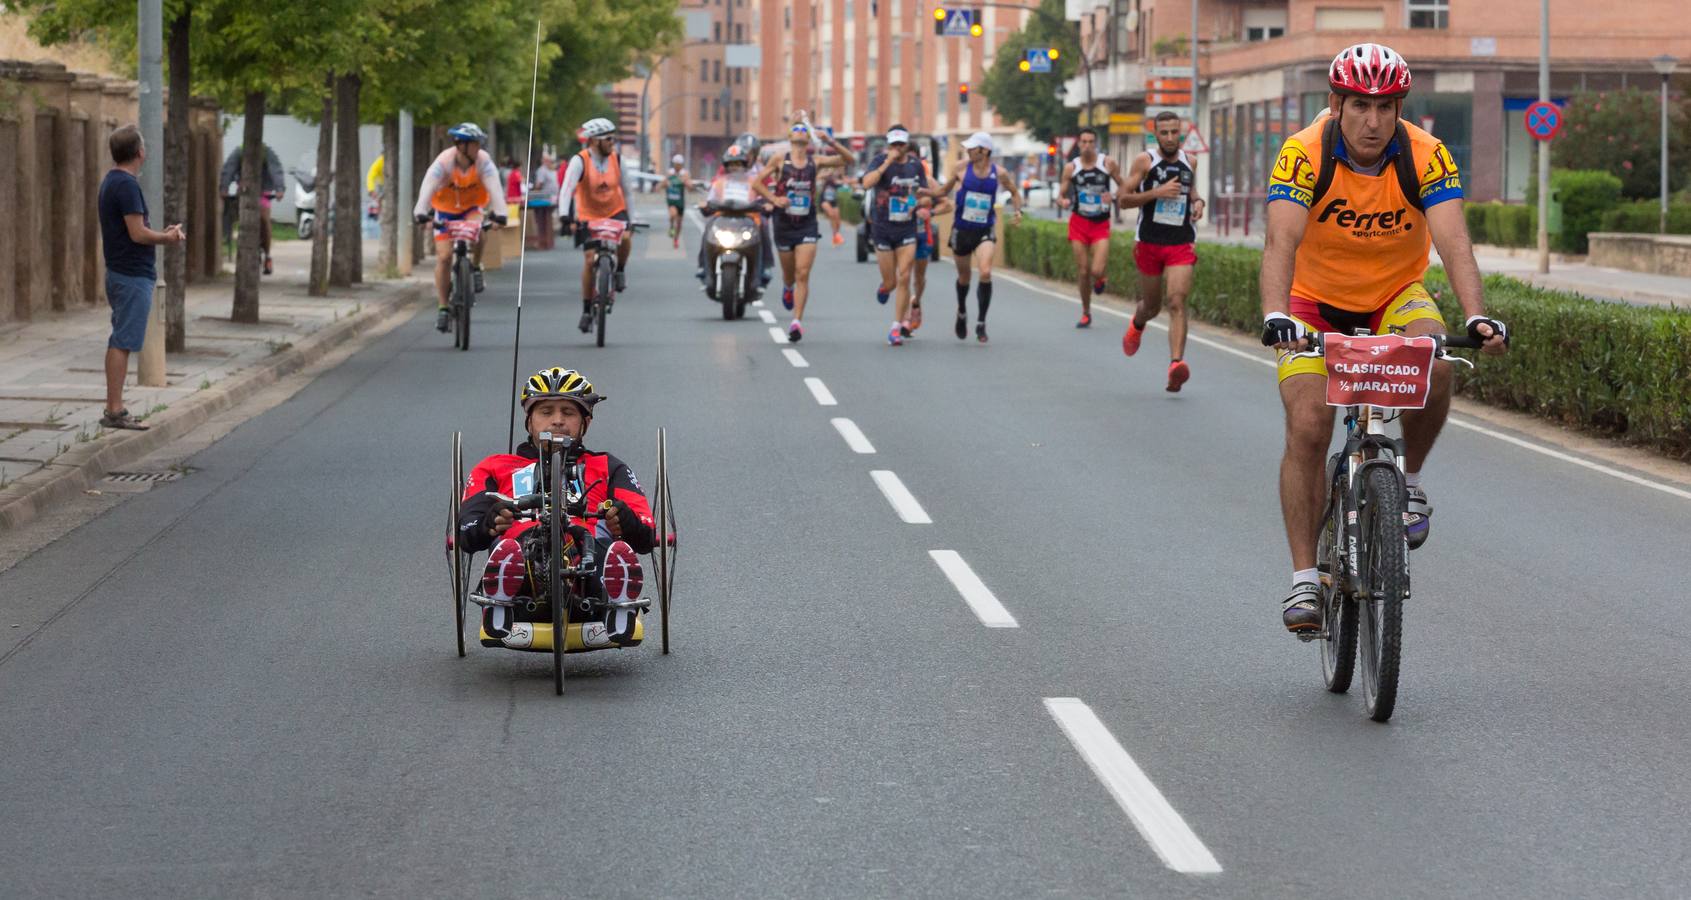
<point>1389,370</point>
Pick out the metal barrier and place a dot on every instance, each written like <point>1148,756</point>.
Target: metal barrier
<point>1238,211</point>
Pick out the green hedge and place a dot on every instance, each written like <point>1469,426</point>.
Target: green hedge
<point>851,208</point>
<point>1609,367</point>
<point>1645,216</point>
<point>1502,224</point>
<point>1585,195</point>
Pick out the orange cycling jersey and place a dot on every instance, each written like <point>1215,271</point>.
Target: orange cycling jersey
<point>1364,242</point>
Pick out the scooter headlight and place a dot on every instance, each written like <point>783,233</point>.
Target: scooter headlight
<point>730,238</point>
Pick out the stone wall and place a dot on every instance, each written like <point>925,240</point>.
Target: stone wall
<point>1655,254</point>
<point>54,125</point>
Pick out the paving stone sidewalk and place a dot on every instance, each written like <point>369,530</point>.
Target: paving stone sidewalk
<point>52,381</point>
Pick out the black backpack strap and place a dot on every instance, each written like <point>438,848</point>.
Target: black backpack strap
<point>1407,179</point>
<point>1324,166</point>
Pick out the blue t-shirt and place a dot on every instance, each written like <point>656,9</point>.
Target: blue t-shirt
<point>120,195</point>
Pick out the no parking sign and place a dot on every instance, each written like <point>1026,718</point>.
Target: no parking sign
<point>1544,120</point>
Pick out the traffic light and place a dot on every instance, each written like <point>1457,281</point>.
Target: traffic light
<point>976,30</point>
<point>1024,65</point>
<point>1052,53</point>
<point>963,94</point>
<point>1050,149</point>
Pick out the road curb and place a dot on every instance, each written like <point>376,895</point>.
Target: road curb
<point>79,468</point>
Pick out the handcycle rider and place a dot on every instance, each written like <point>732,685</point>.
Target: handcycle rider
<point>1354,202</point>
<point>559,401</point>
<point>461,184</point>
<point>596,187</point>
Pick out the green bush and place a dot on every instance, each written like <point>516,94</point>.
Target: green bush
<point>1502,224</point>
<point>1644,216</point>
<point>1608,367</point>
<point>1585,194</point>
<point>851,206</point>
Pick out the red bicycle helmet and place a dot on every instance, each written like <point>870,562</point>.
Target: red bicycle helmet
<point>1369,70</point>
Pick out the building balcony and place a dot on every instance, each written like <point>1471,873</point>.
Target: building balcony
<point>1120,80</point>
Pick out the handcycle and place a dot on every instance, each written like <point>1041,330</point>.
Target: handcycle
<point>1362,552</point>
<point>571,575</point>
<point>604,236</point>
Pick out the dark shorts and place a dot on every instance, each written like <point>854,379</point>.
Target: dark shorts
<point>791,232</point>
<point>965,241</point>
<point>581,229</point>
<point>131,297</point>
<point>889,237</point>
<point>830,196</point>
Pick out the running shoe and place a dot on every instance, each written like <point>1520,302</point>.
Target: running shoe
<point>1418,518</point>
<point>795,332</point>
<point>1130,340</point>
<point>1178,372</point>
<point>962,329</point>
<point>586,323</point>
<point>904,329</point>
<point>915,317</point>
<point>838,239</point>
<point>1098,286</point>
<point>787,297</point>
<point>895,337</point>
<point>441,318</point>
<point>980,332</point>
<point>1085,321</point>
<point>621,281</point>
<point>269,268</point>
<point>881,296</point>
<point>1302,610</point>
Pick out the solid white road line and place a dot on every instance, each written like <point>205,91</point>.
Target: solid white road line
<point>853,436</point>
<point>1158,823</point>
<point>767,316</point>
<point>817,388</point>
<point>797,359</point>
<point>778,336</point>
<point>903,502</point>
<point>1454,420</point>
<point>975,593</point>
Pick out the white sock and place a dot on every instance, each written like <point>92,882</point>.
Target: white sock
<point>1306,576</point>
<point>1412,479</point>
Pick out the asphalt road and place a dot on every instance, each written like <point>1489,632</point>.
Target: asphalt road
<point>243,683</point>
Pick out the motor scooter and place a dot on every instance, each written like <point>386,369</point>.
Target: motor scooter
<point>305,201</point>
<point>732,247</point>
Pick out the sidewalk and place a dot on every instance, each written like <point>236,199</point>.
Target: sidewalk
<point>1567,273</point>
<point>52,381</point>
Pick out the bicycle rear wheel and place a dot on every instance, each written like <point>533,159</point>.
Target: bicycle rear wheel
<point>1338,610</point>
<point>604,284</point>
<point>1386,578</point>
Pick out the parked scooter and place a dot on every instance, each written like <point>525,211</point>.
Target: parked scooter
<point>732,251</point>
<point>305,201</point>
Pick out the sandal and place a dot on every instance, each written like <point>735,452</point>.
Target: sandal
<point>121,420</point>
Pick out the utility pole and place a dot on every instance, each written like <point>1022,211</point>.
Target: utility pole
<point>1543,146</point>
<point>150,22</point>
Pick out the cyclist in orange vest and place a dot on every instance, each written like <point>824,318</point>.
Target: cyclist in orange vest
<point>597,188</point>
<point>460,184</point>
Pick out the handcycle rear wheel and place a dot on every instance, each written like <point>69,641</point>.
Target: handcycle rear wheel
<point>456,557</point>
<point>664,553</point>
<point>1387,582</point>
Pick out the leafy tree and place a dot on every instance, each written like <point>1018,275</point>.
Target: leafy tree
<point>1029,98</point>
<point>1620,132</point>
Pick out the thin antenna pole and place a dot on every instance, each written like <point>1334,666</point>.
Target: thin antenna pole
<point>522,250</point>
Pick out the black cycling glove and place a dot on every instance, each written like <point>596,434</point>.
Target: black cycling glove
<point>1279,328</point>
<point>635,532</point>
<point>493,512</point>
<point>497,220</point>
<point>1474,323</point>
<point>421,219</point>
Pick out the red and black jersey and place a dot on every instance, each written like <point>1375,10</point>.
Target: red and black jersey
<point>510,475</point>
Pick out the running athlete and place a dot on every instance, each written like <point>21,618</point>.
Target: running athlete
<point>977,186</point>
<point>597,188</point>
<point>895,175</point>
<point>462,183</point>
<point>675,194</point>
<point>1354,202</point>
<point>1167,209</point>
<point>927,250</point>
<point>794,173</point>
<point>1087,181</point>
<point>831,202</point>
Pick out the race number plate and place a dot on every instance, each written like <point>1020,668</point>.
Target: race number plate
<point>1389,371</point>
<point>899,209</point>
<point>1170,211</point>
<point>977,207</point>
<point>736,192</point>
<point>1090,203</point>
<point>798,203</point>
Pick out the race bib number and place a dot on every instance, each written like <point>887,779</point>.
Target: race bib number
<point>675,193</point>
<point>736,192</point>
<point>798,203</point>
<point>1170,211</point>
<point>522,481</point>
<point>1389,371</point>
<point>899,209</point>
<point>977,207</point>
<point>1090,203</point>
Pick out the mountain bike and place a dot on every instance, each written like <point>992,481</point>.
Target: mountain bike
<point>604,236</point>
<point>461,296</point>
<point>1362,552</point>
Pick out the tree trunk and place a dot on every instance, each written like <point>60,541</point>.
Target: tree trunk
<point>319,286</point>
<point>249,254</point>
<point>176,144</point>
<point>347,265</point>
<point>390,197</point>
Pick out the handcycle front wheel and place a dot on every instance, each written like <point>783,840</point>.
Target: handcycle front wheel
<point>456,558</point>
<point>663,554</point>
<point>1387,582</point>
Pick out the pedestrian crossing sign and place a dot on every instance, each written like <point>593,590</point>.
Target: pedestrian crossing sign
<point>958,22</point>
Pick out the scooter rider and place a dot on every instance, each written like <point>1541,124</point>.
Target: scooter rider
<point>737,170</point>
<point>597,187</point>
<point>461,183</point>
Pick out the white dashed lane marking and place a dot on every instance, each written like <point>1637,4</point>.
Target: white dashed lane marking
<point>853,436</point>
<point>819,390</point>
<point>975,592</point>
<point>903,502</point>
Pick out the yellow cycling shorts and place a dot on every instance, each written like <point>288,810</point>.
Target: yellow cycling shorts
<point>1412,304</point>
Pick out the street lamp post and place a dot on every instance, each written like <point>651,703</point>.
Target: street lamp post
<point>1664,66</point>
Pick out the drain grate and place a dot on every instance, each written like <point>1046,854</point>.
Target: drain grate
<point>140,477</point>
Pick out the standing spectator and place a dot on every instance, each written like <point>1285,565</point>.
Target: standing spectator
<point>543,202</point>
<point>131,273</point>
<point>271,186</point>
<point>513,182</point>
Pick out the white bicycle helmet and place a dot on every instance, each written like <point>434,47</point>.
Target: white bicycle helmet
<point>597,128</point>
<point>678,160</point>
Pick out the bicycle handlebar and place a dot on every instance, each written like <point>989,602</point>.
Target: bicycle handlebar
<point>1444,342</point>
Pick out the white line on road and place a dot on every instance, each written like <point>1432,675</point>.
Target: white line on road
<point>697,220</point>
<point>975,593</point>
<point>778,336</point>
<point>757,304</point>
<point>796,358</point>
<point>853,435</point>
<point>1454,420</point>
<point>1158,823</point>
<point>903,502</point>
<point>817,389</point>
<point>767,316</point>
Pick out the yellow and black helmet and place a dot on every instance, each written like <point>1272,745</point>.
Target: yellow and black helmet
<point>559,384</point>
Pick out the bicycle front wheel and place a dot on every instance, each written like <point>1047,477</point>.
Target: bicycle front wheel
<point>605,286</point>
<point>1386,571</point>
<point>463,287</point>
